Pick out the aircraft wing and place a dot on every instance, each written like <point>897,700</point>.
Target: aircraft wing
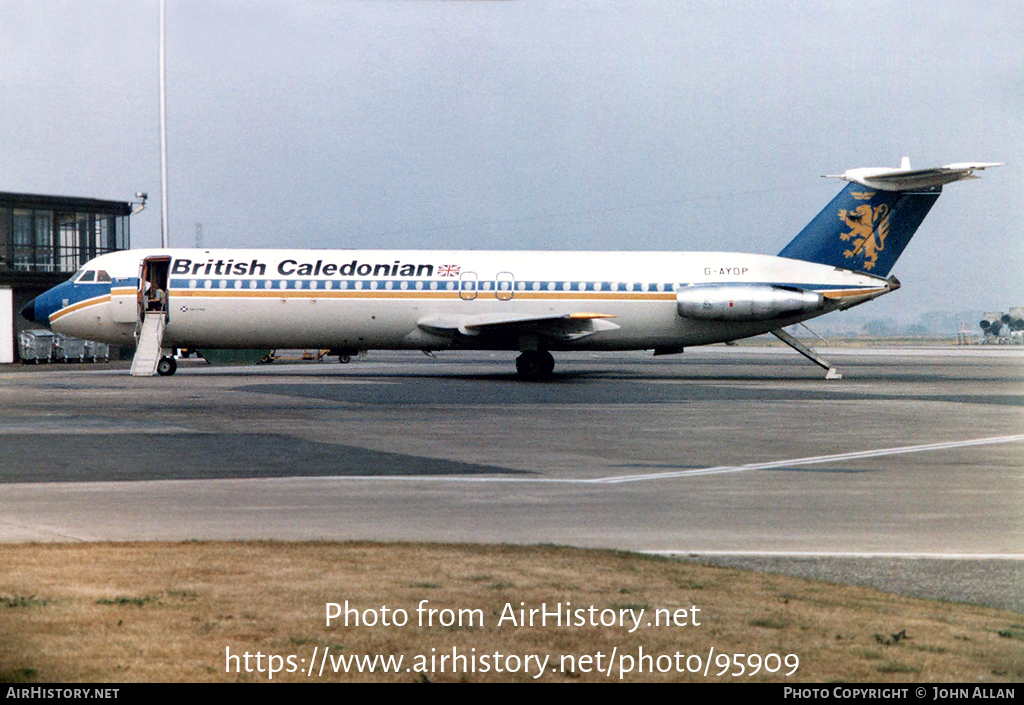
<point>565,326</point>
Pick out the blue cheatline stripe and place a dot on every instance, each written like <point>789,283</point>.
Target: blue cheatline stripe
<point>488,286</point>
<point>76,293</point>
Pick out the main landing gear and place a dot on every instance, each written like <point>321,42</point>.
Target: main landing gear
<point>535,364</point>
<point>344,354</point>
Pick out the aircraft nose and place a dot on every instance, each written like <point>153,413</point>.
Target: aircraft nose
<point>29,312</point>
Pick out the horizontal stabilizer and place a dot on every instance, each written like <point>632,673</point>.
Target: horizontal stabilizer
<point>904,178</point>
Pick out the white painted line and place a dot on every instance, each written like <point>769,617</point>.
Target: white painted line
<point>717,470</point>
<point>840,554</point>
<point>815,460</point>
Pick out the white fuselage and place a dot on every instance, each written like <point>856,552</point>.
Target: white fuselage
<point>380,299</point>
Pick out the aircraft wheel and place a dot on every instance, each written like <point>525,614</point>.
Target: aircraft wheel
<point>533,365</point>
<point>548,363</point>
<point>166,366</point>
<point>344,359</point>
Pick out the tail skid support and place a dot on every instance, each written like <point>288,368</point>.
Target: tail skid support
<point>832,372</point>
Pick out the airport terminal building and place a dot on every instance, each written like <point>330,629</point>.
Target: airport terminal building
<point>43,241</point>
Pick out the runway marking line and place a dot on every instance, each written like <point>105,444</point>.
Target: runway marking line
<point>815,460</point>
<point>840,554</point>
<point>716,470</point>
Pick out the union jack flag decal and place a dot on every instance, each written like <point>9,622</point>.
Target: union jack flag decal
<point>448,270</point>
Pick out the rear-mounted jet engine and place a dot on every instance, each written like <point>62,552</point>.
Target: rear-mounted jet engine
<point>751,302</point>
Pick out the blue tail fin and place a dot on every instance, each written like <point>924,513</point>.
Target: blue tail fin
<point>864,229</point>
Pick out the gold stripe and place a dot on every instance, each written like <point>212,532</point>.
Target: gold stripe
<point>79,306</point>
<point>412,294</point>
<point>311,294</point>
<point>850,292</point>
<point>427,294</point>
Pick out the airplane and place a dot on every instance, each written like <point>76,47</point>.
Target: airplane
<point>533,303</point>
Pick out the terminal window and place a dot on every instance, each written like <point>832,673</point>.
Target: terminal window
<point>52,240</point>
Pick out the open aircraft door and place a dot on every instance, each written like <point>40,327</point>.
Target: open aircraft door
<point>127,302</point>
<point>124,302</point>
<point>154,285</point>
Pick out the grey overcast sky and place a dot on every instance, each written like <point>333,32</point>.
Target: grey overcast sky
<point>528,124</point>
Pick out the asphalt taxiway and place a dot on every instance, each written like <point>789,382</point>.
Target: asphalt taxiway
<point>908,474</point>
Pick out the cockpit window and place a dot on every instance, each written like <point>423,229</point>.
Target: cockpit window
<point>87,276</point>
<point>102,276</point>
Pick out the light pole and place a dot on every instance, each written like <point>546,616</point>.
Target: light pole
<point>163,135</point>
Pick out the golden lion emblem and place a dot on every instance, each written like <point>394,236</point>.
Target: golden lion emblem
<point>868,230</point>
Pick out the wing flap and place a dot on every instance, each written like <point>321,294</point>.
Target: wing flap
<point>564,326</point>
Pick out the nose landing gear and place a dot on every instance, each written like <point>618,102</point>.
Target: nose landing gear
<point>166,366</point>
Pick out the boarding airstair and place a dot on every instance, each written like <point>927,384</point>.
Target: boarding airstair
<point>149,344</point>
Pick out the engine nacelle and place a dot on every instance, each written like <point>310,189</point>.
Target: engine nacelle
<point>747,302</point>
<point>992,322</point>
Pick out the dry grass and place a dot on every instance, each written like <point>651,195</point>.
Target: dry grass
<point>167,612</point>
